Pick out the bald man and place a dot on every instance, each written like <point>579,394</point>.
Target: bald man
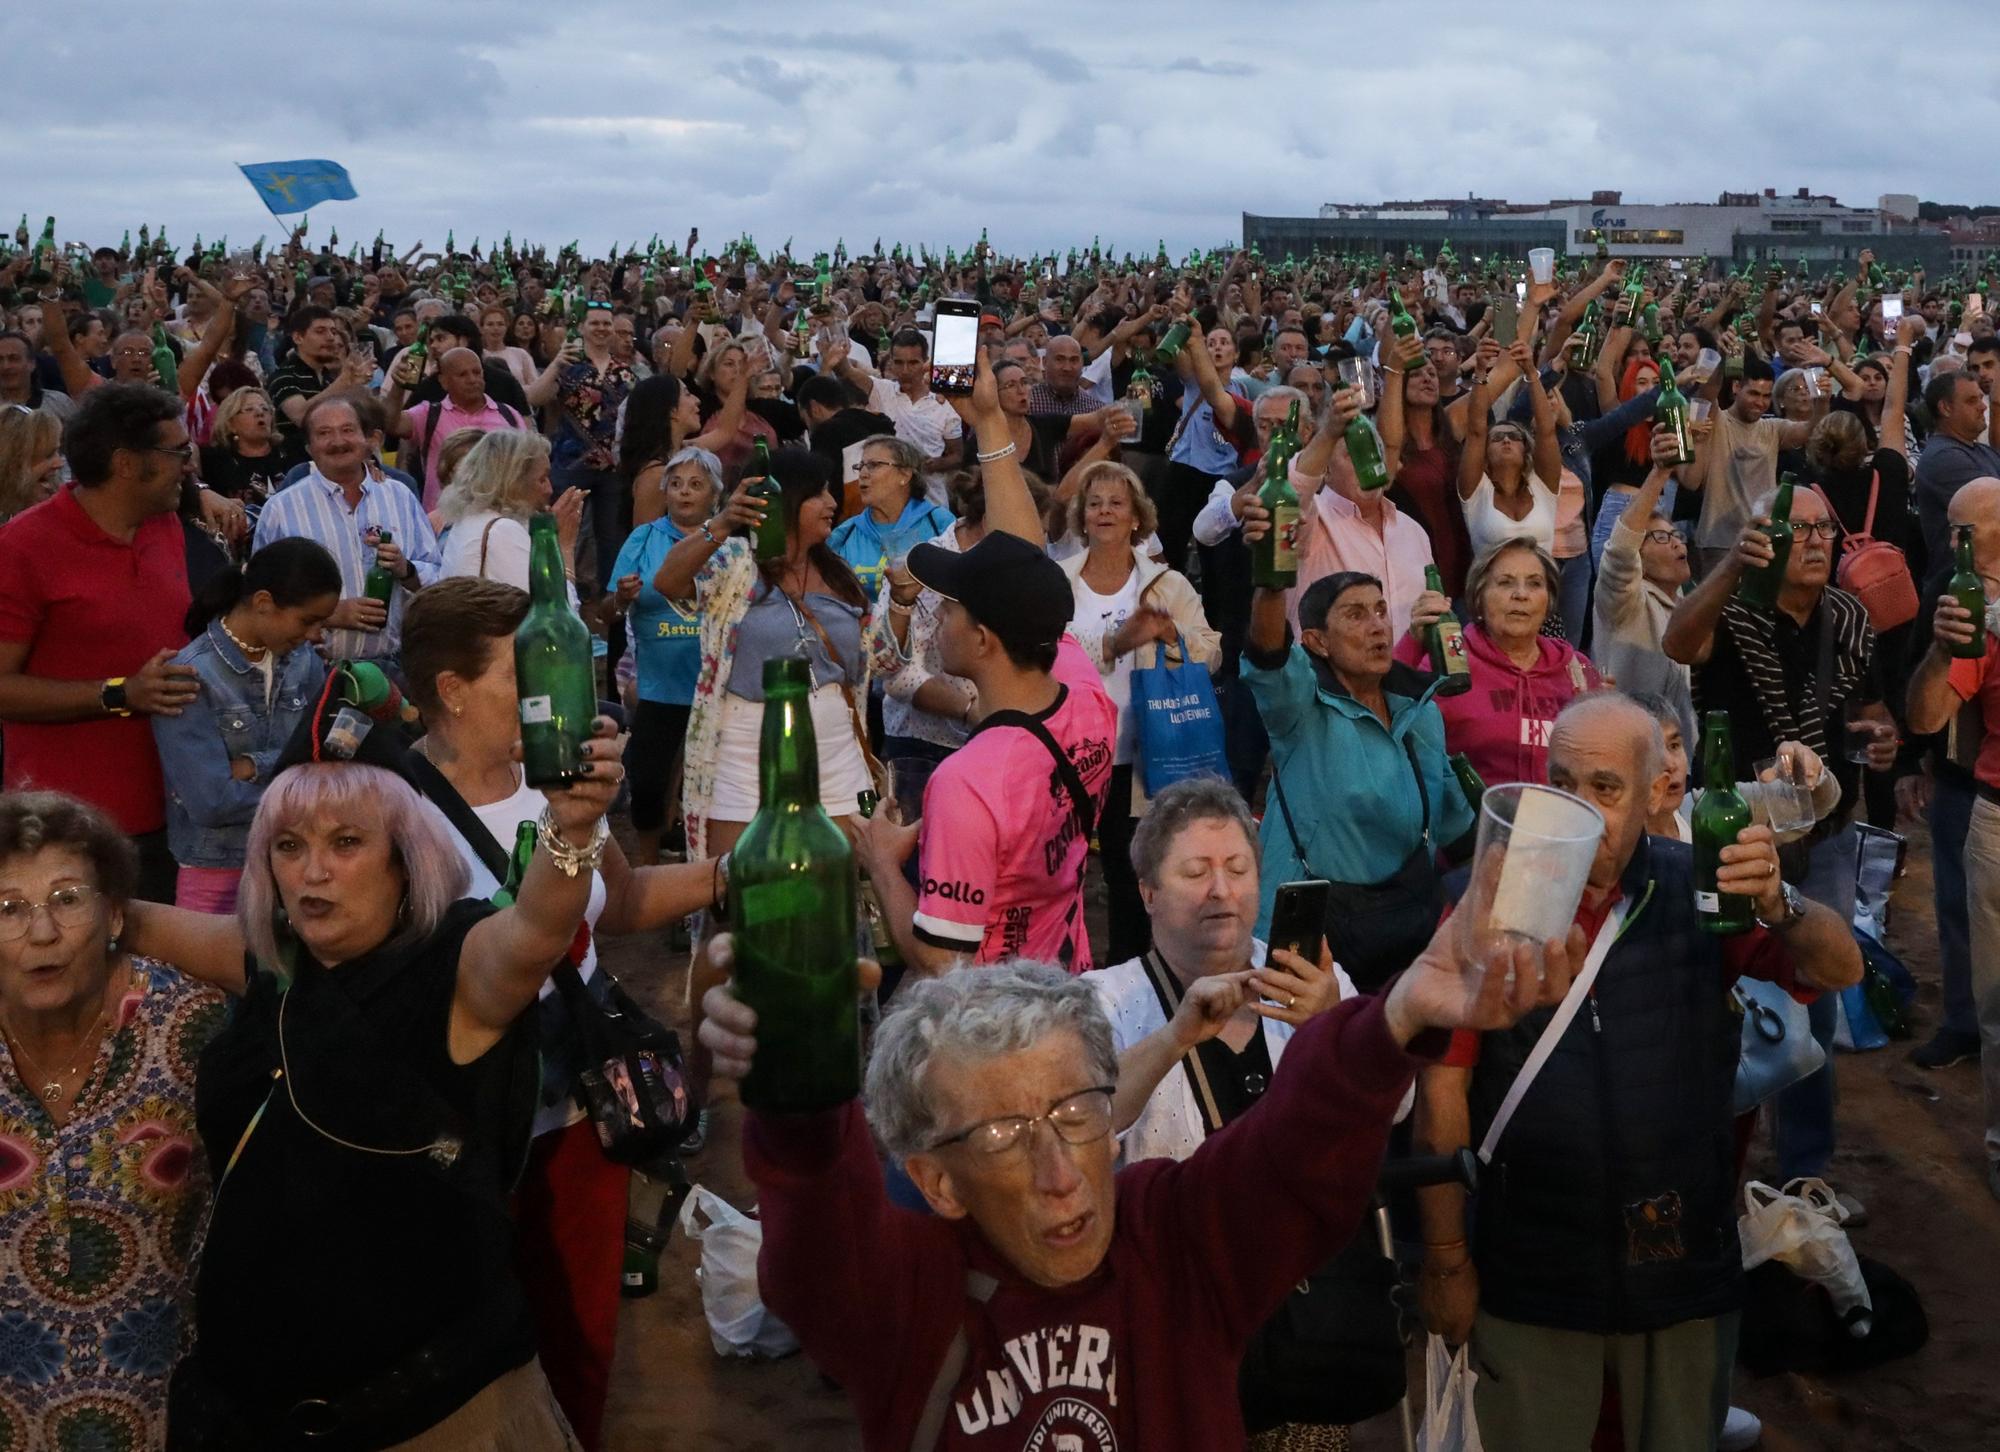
<point>1960,698</point>
<point>1614,1244</point>
<point>466,405</point>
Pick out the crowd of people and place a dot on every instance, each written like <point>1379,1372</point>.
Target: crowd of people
<point>236,483</point>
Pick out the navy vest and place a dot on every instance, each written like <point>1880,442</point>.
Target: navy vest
<point>1610,1203</point>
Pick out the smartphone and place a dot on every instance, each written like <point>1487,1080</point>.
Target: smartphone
<point>955,352</point>
<point>1975,304</point>
<point>1892,309</point>
<point>1817,309</point>
<point>1298,917</point>
<point>1506,320</point>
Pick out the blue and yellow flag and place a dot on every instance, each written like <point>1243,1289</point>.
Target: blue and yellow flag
<point>293,186</point>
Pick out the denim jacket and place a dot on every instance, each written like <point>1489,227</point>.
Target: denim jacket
<point>208,809</point>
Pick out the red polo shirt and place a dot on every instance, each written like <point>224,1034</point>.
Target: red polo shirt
<point>90,607</point>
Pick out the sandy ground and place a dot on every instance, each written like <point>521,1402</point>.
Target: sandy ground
<point>1909,1147</point>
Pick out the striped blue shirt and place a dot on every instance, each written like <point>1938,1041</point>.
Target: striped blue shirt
<point>316,508</point>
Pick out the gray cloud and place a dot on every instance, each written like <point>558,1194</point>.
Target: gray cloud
<point>925,122</point>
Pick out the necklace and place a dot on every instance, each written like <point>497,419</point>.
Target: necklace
<point>250,652</point>
<point>52,1090</point>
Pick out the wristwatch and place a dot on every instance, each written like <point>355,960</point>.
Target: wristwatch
<point>1795,911</point>
<point>111,696</point>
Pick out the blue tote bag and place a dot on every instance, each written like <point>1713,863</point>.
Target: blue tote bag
<point>1180,724</point>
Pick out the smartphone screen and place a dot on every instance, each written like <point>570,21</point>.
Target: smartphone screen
<point>1892,309</point>
<point>955,350</point>
<point>1298,917</point>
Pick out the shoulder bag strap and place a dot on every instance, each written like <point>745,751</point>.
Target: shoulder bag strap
<point>1874,489</point>
<point>439,791</point>
<point>1292,831</point>
<point>485,538</point>
<point>430,433</point>
<point>876,772</point>
<point>1169,995</point>
<point>1081,805</point>
<point>1607,934</point>
<point>979,1289</point>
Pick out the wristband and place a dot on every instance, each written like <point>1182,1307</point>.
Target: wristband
<point>709,537</point>
<point>996,454</point>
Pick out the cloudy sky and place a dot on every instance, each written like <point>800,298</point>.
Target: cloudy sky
<point>1044,122</point>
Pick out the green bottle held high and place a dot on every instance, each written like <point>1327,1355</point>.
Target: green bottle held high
<point>1719,817</point>
<point>1274,559</point>
<point>768,540</point>
<point>1365,452</point>
<point>555,677</point>
<point>1446,640</point>
<point>165,365</point>
<point>1966,587</point>
<point>1172,341</point>
<point>1759,588</point>
<point>792,912</point>
<point>1400,318</point>
<point>1671,412</point>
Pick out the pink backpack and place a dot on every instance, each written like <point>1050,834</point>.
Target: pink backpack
<point>1872,570</point>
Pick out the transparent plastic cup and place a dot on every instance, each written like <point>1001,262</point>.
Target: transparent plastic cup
<point>1542,264</point>
<point>1358,373</point>
<point>1785,793</point>
<point>1534,851</point>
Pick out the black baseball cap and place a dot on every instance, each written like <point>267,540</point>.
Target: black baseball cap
<point>1006,584</point>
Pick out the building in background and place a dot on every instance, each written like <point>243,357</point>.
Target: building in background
<point>1737,228</point>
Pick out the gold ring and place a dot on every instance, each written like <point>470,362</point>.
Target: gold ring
<point>1291,1000</point>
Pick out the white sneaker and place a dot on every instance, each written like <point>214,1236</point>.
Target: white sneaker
<point>1740,1430</point>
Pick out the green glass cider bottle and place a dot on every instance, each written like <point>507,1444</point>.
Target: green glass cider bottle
<point>1446,640</point>
<point>1274,559</point>
<point>792,910</point>
<point>1759,588</point>
<point>554,675</point>
<point>1719,817</point>
<point>768,539</point>
<point>1671,412</point>
<point>1969,590</point>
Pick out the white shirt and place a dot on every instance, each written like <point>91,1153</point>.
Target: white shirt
<point>503,818</point>
<point>506,544</point>
<point>1487,525</point>
<point>928,422</point>
<point>1170,1126</point>
<point>1110,612</point>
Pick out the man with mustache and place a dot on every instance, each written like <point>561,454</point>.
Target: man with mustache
<point>1788,675</point>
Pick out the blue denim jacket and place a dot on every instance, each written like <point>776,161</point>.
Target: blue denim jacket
<point>209,810</point>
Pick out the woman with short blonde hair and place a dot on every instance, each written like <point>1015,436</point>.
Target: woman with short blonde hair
<point>503,480</point>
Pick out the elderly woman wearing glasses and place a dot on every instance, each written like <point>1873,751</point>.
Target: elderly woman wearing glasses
<point>1645,565</point>
<point>102,1178</point>
<point>1045,1294</point>
<point>894,514</point>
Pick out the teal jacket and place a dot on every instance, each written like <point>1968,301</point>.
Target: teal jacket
<point>1347,777</point>
<point>869,547</point>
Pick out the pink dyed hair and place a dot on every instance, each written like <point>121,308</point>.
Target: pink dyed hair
<point>435,875</point>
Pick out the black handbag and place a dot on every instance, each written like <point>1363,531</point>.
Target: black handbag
<point>1377,929</point>
<point>1331,1354</point>
<point>630,1077</point>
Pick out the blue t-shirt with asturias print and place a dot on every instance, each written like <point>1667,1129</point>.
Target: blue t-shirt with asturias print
<point>665,638</point>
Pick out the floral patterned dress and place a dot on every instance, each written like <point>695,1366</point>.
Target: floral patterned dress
<point>98,1223</point>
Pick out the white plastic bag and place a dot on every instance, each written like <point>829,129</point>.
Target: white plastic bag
<point>1800,1227</point>
<point>1449,1422</point>
<point>738,1324</point>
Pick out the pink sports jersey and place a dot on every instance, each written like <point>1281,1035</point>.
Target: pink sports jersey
<point>1001,857</point>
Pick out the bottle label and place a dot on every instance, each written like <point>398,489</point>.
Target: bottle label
<point>1707,903</point>
<point>537,710</point>
<point>1453,640</point>
<point>1285,537</point>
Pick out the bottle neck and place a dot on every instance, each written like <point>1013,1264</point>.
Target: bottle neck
<point>788,761</point>
<point>1719,761</point>
<point>545,567</point>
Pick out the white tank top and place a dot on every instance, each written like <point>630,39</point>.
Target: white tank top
<point>1487,526</point>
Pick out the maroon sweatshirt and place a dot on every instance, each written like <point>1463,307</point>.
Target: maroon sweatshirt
<point>1142,1355</point>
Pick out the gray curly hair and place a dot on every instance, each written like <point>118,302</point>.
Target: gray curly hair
<point>973,1014</point>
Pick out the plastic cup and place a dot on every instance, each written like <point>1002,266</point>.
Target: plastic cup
<point>1785,793</point>
<point>1699,409</point>
<point>1529,868</point>
<point>1358,373</point>
<point>1542,264</point>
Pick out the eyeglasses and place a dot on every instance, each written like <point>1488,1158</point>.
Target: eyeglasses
<point>69,906</point>
<point>1080,1119</point>
<point>184,453</point>
<point>1662,536</point>
<point>1825,528</point>
<point>597,307</point>
<point>869,466</point>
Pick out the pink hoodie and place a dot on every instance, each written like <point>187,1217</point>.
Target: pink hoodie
<point>1502,724</point>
